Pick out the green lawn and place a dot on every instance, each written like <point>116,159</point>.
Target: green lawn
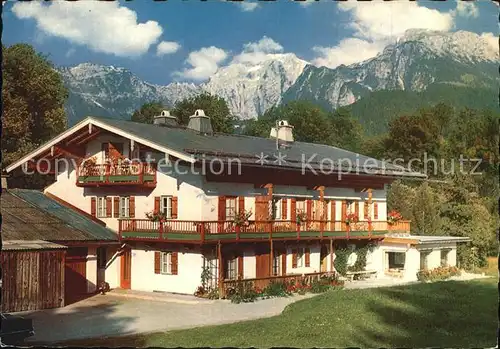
<point>443,314</point>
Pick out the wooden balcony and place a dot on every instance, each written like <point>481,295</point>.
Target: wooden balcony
<point>254,231</point>
<point>124,174</point>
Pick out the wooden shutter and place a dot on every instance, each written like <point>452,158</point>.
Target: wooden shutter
<point>294,258</point>
<point>283,263</point>
<point>293,210</point>
<point>240,266</point>
<point>365,212</point>
<point>93,206</point>
<point>344,210</point>
<point>284,207</point>
<point>174,207</point>
<point>222,208</point>
<point>332,209</point>
<point>307,253</point>
<point>157,204</point>
<point>157,262</point>
<point>375,210</point>
<point>356,208</point>
<point>174,259</point>
<point>241,204</point>
<point>116,204</point>
<point>131,207</point>
<point>309,209</point>
<point>109,207</point>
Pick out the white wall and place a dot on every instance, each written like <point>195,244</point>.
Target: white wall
<point>91,269</point>
<point>186,281</point>
<point>314,257</point>
<point>112,273</point>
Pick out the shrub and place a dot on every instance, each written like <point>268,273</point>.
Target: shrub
<point>213,294</point>
<point>340,261</point>
<point>276,289</point>
<point>437,274</point>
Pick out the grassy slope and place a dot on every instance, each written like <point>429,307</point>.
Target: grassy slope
<point>444,314</point>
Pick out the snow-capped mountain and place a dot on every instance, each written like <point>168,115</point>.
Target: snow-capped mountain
<point>417,60</point>
<point>414,62</point>
<point>248,88</point>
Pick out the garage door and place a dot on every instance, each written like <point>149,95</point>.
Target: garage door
<point>75,276</point>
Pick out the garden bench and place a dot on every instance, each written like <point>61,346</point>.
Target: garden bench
<point>352,274</point>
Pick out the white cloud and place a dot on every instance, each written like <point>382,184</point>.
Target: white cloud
<point>204,63</point>
<point>466,9</point>
<point>167,47</point>
<point>101,26</point>
<point>491,39</point>
<point>248,6</point>
<point>306,3</point>
<point>375,24</point>
<point>255,52</point>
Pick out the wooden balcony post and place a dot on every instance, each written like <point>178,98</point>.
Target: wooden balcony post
<point>141,172</point>
<point>202,232</point>
<point>370,227</point>
<point>220,269</point>
<point>331,255</point>
<point>271,257</point>
<point>120,229</point>
<point>160,230</point>
<point>321,190</point>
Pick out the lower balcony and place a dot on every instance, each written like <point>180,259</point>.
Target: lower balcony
<point>124,174</point>
<point>228,231</point>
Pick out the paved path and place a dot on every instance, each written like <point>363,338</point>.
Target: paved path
<point>108,315</point>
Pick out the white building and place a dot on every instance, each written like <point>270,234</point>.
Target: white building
<point>198,181</point>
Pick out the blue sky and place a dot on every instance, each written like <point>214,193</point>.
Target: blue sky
<point>127,34</point>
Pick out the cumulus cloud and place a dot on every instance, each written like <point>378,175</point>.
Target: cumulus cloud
<point>101,26</point>
<point>491,39</point>
<point>466,9</point>
<point>255,52</point>
<point>167,47</point>
<point>203,63</point>
<point>306,3</point>
<point>248,6</point>
<point>375,24</point>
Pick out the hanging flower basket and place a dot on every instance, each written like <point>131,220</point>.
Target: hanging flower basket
<point>393,217</point>
<point>351,218</point>
<point>301,217</point>
<point>241,219</point>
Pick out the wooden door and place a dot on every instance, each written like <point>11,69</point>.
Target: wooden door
<point>75,274</point>
<point>262,264</point>
<point>126,269</point>
<point>261,212</point>
<point>324,258</point>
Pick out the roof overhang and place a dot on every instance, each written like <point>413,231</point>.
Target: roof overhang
<point>89,122</point>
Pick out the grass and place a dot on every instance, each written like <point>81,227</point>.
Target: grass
<point>442,314</point>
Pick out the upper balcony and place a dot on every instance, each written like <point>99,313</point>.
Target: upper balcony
<point>122,174</point>
<point>252,231</point>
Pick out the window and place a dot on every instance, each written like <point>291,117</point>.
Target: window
<point>231,208</point>
<point>124,207</point>
<point>423,260</point>
<point>210,264</point>
<point>101,257</point>
<point>276,265</point>
<point>166,262</point>
<point>300,258</point>
<point>232,269</point>
<point>396,260</point>
<point>278,209</point>
<point>166,206</point>
<point>444,258</point>
<point>101,207</point>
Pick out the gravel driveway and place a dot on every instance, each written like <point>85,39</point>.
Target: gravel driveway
<point>110,315</point>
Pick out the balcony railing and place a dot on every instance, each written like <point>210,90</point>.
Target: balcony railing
<point>206,231</point>
<point>117,174</point>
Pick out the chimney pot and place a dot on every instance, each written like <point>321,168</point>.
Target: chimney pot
<point>165,119</point>
<point>283,131</point>
<point>200,122</point>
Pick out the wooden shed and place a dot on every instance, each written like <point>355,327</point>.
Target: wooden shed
<point>33,275</point>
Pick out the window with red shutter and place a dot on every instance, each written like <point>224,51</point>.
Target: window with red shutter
<point>131,207</point>
<point>284,207</point>
<point>93,206</point>
<point>293,210</point>
<point>109,207</point>
<point>116,207</point>
<point>375,210</point>
<point>157,263</point>
<point>157,204</point>
<point>307,253</point>
<point>294,258</point>
<point>241,204</point>
<point>174,207</point>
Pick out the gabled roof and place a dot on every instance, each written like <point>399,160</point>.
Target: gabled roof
<point>30,215</point>
<point>191,146</point>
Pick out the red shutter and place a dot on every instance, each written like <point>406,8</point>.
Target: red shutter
<point>366,210</point>
<point>175,263</point>
<point>309,209</point>
<point>356,208</point>
<point>240,266</point>
<point>283,263</point>
<point>294,258</point>
<point>241,204</point>
<point>174,207</point>
<point>293,210</point>
<point>93,206</point>
<point>109,207</point>
<point>307,252</point>
<point>116,202</point>
<point>157,262</point>
<point>284,207</point>
<point>222,208</point>
<point>332,209</point>
<point>344,210</point>
<point>131,207</point>
<point>157,204</point>
<point>375,210</point>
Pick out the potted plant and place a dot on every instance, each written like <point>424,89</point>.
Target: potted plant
<point>241,219</point>
<point>87,166</point>
<point>351,218</point>
<point>301,217</point>
<point>393,217</point>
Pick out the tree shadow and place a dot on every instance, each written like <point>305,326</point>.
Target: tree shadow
<point>88,320</point>
<point>444,314</point>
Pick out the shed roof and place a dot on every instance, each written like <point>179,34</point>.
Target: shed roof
<point>31,215</point>
<point>30,245</point>
<point>424,239</point>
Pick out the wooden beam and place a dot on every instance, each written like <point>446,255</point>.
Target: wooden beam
<point>220,276</point>
<point>331,255</point>
<point>70,153</point>
<point>88,138</point>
